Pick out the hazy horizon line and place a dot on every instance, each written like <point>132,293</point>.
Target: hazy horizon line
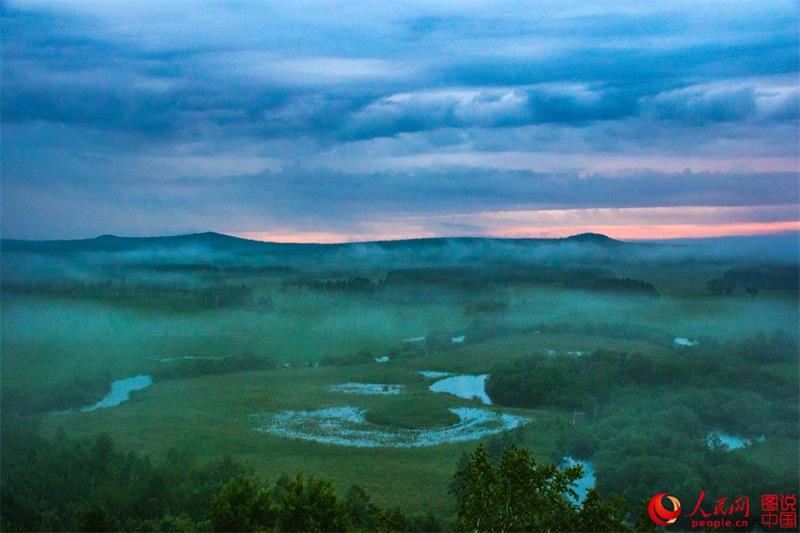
<point>278,238</point>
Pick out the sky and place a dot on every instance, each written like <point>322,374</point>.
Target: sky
<point>347,121</point>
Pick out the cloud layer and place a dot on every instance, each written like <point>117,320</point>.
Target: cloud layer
<point>352,121</point>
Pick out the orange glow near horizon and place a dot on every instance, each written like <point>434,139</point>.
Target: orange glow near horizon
<point>623,232</point>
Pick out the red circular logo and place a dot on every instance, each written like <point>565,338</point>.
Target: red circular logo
<point>660,514</point>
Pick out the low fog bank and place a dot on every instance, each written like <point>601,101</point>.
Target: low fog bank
<point>183,258</point>
<point>779,248</point>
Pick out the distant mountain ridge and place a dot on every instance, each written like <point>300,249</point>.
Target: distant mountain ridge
<point>114,243</point>
<point>583,248</point>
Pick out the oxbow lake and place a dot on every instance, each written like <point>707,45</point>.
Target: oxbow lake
<point>347,426</point>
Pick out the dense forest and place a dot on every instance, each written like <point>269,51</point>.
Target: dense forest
<point>581,381</point>
<point>757,278</point>
<point>616,397</point>
<point>202,286</point>
<point>179,296</point>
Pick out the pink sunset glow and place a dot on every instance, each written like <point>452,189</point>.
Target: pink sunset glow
<point>623,232</point>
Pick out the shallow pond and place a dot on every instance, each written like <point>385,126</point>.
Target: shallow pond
<point>347,426</point>
<point>586,482</point>
<point>465,386</point>
<point>368,388</point>
<point>121,391</point>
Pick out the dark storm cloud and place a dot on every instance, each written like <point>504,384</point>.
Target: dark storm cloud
<point>406,108</point>
<point>53,72</point>
<point>647,69</point>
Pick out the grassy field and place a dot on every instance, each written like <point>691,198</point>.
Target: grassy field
<point>211,417</point>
